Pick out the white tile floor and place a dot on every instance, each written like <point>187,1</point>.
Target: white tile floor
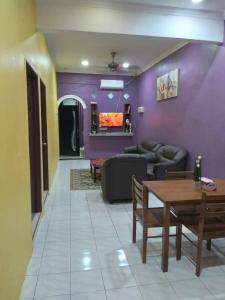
<point>83,251</point>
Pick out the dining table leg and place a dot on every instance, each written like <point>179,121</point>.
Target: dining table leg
<point>165,238</point>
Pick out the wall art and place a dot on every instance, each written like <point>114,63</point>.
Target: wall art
<point>167,85</point>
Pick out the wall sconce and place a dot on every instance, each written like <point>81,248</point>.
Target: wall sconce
<point>141,109</point>
<point>110,96</point>
<point>126,96</point>
<point>93,96</point>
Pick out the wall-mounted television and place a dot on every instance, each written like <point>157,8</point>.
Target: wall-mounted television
<point>110,119</point>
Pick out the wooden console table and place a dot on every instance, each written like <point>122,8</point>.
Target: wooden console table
<point>96,164</point>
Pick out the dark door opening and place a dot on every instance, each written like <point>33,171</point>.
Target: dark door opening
<point>69,135</point>
<point>44,137</point>
<point>34,140</point>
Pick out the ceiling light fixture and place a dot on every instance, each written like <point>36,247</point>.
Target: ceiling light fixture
<point>85,63</point>
<point>126,65</point>
<point>197,1</point>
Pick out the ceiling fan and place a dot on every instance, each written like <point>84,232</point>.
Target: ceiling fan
<point>118,67</point>
<point>113,66</point>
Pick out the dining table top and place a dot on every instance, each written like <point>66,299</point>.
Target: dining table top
<point>182,191</point>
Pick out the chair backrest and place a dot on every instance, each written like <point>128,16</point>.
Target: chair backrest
<point>139,193</point>
<point>213,206</point>
<point>212,215</point>
<point>179,175</point>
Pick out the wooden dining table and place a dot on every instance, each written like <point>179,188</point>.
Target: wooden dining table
<point>177,192</point>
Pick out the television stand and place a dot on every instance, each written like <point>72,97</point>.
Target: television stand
<point>108,134</point>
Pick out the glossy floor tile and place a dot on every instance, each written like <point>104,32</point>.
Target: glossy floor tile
<point>29,286</point>
<point>61,297</point>
<point>158,291</point>
<point>89,296</point>
<point>131,293</point>
<point>53,285</point>
<point>118,277</point>
<point>83,251</point>
<point>86,281</point>
<point>191,289</point>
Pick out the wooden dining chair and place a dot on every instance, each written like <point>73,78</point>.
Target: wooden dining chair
<point>209,224</point>
<point>185,210</point>
<point>150,218</point>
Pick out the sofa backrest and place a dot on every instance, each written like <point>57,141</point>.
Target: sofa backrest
<point>170,153</point>
<point>148,145</point>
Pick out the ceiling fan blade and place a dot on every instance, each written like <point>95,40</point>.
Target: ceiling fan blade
<point>113,66</point>
<point>113,54</point>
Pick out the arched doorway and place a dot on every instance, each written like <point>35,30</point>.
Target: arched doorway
<point>70,116</point>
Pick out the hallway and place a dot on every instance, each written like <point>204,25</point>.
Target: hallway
<point>83,251</point>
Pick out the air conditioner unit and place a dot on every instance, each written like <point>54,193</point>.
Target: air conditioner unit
<point>111,84</point>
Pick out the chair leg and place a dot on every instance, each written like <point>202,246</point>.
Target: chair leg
<point>198,257</point>
<point>134,228</point>
<point>178,241</point>
<point>144,245</point>
<point>209,244</point>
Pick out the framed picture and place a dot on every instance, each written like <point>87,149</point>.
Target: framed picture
<point>167,85</point>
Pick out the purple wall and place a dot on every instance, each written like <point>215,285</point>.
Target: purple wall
<point>195,119</point>
<point>84,86</point>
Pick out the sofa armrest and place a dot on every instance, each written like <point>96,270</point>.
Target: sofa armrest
<point>160,168</point>
<point>132,149</point>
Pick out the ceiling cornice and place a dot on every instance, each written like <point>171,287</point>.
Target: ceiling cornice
<point>150,9</point>
<point>163,56</point>
<point>94,72</point>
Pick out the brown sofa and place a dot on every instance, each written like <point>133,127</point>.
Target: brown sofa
<point>116,175</point>
<point>160,157</point>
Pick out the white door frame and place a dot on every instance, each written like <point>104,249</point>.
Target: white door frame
<point>60,100</point>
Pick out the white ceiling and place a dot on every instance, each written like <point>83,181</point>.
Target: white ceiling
<point>68,48</point>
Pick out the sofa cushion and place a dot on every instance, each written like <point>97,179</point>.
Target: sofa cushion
<point>141,150</point>
<point>149,156</point>
<point>160,158</point>
<point>169,153</point>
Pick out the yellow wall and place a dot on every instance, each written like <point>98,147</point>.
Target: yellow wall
<point>19,42</point>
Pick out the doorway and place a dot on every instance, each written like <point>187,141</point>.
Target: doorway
<point>44,136</point>
<point>34,140</point>
<point>69,129</point>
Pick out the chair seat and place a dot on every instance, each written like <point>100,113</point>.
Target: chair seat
<point>213,228</point>
<point>155,217</point>
<point>183,210</point>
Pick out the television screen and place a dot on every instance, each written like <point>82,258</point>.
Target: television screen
<point>110,119</point>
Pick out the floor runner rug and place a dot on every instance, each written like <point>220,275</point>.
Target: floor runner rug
<point>81,179</point>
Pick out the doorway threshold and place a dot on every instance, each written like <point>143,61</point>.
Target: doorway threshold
<point>70,157</point>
